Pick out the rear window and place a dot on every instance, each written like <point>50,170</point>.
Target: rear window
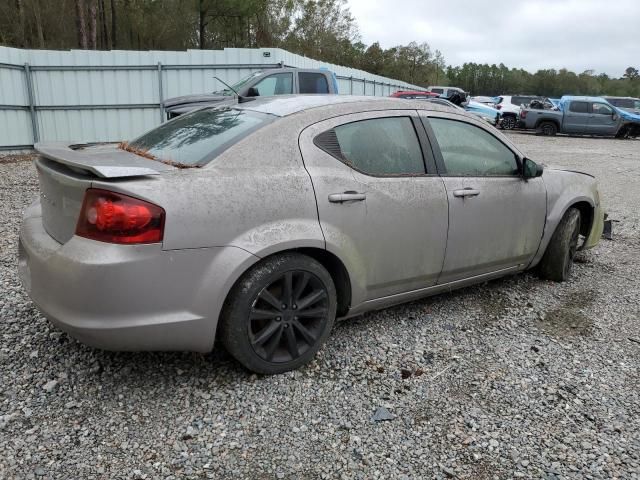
<point>196,138</point>
<point>437,90</point>
<point>621,102</point>
<point>521,100</point>
<point>313,82</point>
<point>579,107</point>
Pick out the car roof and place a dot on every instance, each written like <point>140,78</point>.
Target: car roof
<point>620,98</point>
<point>582,98</point>
<point>285,105</point>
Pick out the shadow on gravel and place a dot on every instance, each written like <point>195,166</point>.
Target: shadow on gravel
<point>569,319</point>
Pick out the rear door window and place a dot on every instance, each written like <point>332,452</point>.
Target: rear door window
<point>579,107</point>
<point>311,82</point>
<point>437,90</point>
<point>195,138</point>
<point>379,146</point>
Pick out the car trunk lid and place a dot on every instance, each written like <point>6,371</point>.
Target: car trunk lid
<point>66,171</point>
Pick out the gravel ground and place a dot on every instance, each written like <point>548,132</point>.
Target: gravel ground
<point>516,378</point>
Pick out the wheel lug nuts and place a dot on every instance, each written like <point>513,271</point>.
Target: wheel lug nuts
<point>278,319</point>
<point>284,306</point>
<point>294,306</point>
<point>295,318</point>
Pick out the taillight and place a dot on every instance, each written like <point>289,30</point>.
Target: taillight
<point>499,107</point>
<point>116,218</point>
<point>523,114</point>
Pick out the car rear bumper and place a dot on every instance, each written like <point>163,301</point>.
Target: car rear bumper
<point>127,297</point>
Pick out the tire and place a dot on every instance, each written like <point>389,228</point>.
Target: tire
<point>267,335</point>
<point>508,122</point>
<point>558,259</point>
<point>548,129</point>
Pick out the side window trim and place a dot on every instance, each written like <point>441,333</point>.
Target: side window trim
<point>421,137</point>
<point>439,159</point>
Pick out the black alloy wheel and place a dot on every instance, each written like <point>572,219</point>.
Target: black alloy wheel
<point>279,313</point>
<point>288,316</point>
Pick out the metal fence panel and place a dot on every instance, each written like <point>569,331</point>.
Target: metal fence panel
<point>85,96</point>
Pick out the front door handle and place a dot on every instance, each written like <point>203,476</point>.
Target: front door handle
<point>466,192</point>
<point>349,196</point>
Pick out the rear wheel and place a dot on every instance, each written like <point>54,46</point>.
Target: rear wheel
<point>548,129</point>
<point>508,122</point>
<point>279,314</point>
<point>558,259</point>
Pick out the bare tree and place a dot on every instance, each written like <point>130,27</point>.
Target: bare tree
<point>113,24</point>
<point>81,26</point>
<point>20,9</point>
<point>93,24</point>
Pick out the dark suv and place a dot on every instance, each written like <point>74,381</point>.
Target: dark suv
<point>629,104</point>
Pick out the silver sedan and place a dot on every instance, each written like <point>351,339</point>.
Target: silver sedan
<point>258,224</point>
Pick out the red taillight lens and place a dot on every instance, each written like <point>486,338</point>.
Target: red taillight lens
<point>499,107</point>
<point>116,218</point>
<point>523,114</point>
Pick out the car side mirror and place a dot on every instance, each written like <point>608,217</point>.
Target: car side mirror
<point>531,169</point>
<point>253,92</point>
<point>614,115</point>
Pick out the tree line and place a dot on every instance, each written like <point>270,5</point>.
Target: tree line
<point>321,29</point>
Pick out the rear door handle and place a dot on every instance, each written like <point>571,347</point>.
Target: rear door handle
<point>466,192</point>
<point>349,196</point>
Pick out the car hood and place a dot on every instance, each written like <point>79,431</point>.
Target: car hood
<point>630,115</point>
<point>205,98</point>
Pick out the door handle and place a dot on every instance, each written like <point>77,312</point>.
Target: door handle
<point>349,196</point>
<point>466,192</point>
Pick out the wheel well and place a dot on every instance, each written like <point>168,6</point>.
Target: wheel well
<point>338,273</point>
<point>547,120</point>
<point>586,216</point>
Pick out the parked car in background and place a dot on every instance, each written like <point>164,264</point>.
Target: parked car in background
<point>447,92</point>
<point>264,83</point>
<point>487,114</point>
<point>413,95</point>
<point>630,104</point>
<point>259,223</point>
<point>490,101</point>
<point>485,111</point>
<point>510,105</point>
<point>583,116</point>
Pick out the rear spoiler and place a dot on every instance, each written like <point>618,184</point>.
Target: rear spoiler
<point>102,160</point>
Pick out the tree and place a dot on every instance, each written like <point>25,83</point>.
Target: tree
<point>81,27</point>
<point>631,73</point>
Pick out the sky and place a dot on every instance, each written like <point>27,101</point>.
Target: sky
<point>600,35</point>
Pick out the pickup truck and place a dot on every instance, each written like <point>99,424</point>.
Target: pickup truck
<point>264,83</point>
<point>582,116</point>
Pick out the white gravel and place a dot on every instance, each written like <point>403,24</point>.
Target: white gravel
<point>516,378</point>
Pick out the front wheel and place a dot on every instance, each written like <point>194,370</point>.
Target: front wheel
<point>558,259</point>
<point>279,313</point>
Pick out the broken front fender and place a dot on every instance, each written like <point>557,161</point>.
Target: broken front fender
<point>597,228</point>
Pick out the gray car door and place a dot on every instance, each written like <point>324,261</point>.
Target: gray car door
<point>496,218</point>
<point>380,212</point>
<point>576,118</point>
<point>603,119</point>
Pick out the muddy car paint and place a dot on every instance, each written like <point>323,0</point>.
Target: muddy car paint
<point>259,197</point>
